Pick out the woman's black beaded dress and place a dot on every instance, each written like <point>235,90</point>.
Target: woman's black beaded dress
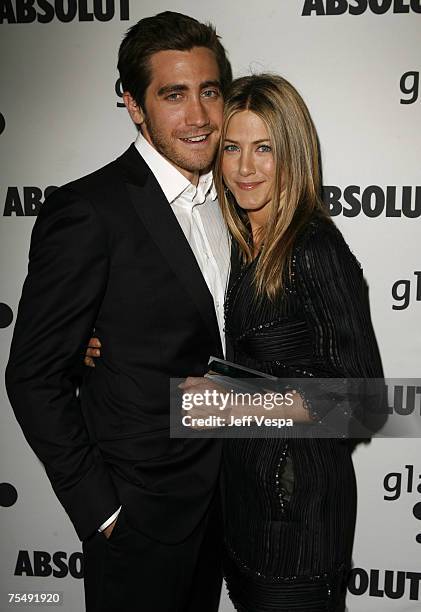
<point>289,505</point>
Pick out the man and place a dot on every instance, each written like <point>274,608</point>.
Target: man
<point>137,250</point>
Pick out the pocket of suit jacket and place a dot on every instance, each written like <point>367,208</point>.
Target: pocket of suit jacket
<point>118,527</point>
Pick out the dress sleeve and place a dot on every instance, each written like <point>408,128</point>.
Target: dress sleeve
<point>334,296</point>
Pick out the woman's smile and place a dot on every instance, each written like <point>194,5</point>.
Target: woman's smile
<point>249,186</point>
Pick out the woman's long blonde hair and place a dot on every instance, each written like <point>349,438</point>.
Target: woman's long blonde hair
<point>297,183</point>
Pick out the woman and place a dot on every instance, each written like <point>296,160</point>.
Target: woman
<point>296,306</point>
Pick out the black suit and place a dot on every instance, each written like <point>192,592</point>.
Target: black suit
<point>108,253</point>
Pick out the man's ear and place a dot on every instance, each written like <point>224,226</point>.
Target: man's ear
<point>135,111</point>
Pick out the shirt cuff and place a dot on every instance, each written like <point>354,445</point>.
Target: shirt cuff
<point>109,520</point>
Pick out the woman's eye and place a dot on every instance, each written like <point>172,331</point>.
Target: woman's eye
<point>230,148</point>
<point>265,149</point>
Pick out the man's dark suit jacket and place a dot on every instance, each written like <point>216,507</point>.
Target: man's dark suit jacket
<point>108,253</point>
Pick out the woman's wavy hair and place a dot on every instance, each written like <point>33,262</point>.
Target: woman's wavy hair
<point>297,186</point>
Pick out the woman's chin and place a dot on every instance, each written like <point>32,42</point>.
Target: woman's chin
<point>250,205</point>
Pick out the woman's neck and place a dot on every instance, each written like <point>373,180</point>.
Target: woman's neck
<point>257,220</point>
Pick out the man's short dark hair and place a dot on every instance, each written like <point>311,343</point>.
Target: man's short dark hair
<point>166,31</point>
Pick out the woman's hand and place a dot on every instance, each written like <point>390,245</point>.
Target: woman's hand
<point>205,398</point>
<point>92,352</point>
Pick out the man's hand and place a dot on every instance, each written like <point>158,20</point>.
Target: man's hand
<point>108,530</point>
<point>92,352</point>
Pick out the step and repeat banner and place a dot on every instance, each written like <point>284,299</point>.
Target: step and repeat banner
<point>357,65</point>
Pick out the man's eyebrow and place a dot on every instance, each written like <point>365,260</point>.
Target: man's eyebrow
<point>215,83</point>
<point>175,87</point>
<point>171,88</point>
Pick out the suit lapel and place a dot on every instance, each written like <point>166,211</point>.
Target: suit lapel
<point>158,218</point>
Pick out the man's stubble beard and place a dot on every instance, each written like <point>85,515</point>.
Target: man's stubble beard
<point>167,150</point>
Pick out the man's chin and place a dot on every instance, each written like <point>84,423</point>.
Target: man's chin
<point>196,164</point>
<point>198,158</point>
<point>187,160</point>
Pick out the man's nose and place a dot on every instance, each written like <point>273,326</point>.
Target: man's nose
<point>197,114</point>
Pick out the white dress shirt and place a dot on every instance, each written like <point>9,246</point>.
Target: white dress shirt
<point>197,211</point>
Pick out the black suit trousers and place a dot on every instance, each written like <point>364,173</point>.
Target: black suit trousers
<point>130,571</point>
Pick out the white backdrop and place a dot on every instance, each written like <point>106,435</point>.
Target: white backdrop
<point>59,119</point>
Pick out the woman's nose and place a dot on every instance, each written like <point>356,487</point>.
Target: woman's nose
<point>246,164</point>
